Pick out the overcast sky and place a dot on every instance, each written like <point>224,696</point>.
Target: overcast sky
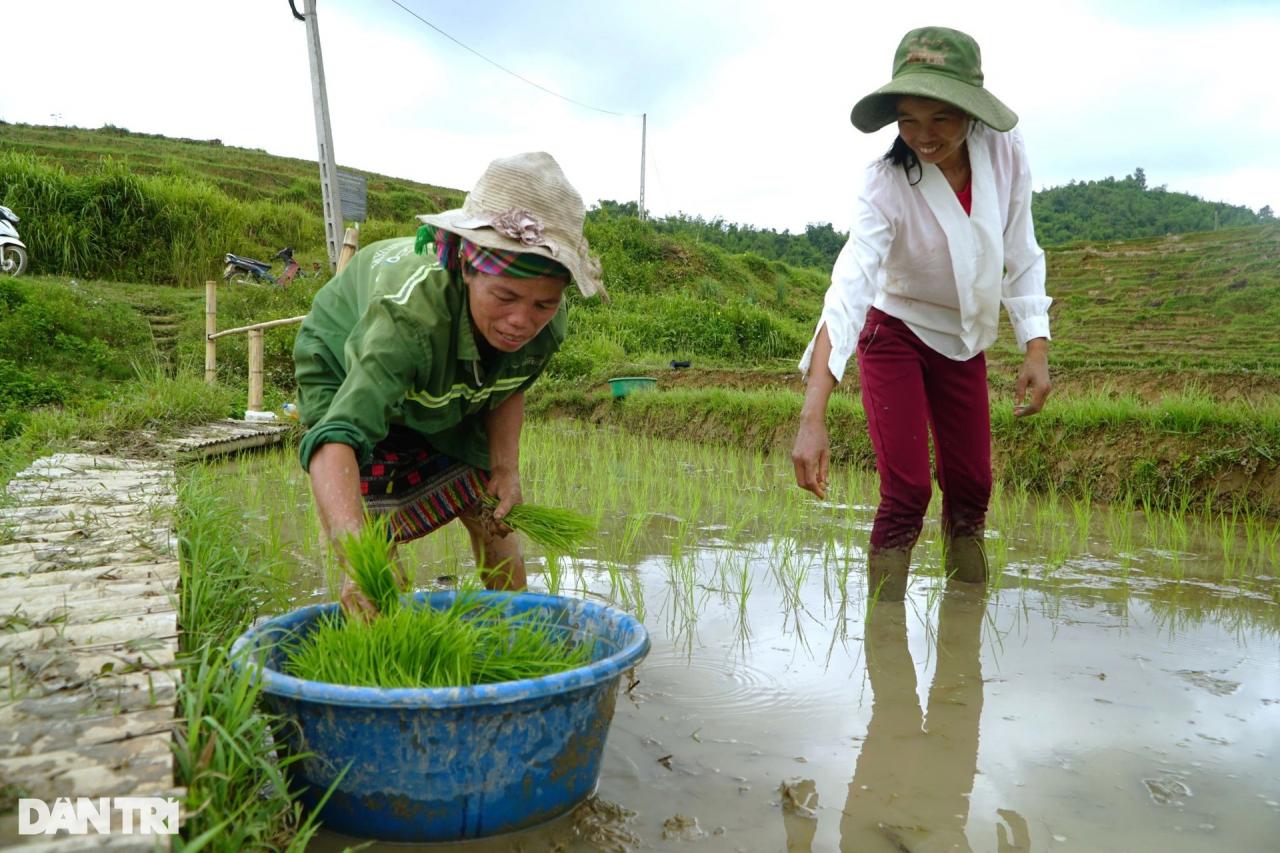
<point>748,100</point>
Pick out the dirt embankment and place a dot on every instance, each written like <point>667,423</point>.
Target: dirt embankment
<point>1219,466</point>
<point>1146,385</point>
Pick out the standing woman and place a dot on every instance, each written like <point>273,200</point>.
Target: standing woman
<point>942,235</point>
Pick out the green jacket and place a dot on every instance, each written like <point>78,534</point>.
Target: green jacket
<point>389,341</point>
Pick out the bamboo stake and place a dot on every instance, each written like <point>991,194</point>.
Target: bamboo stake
<point>269,324</point>
<point>350,243</point>
<point>255,370</point>
<point>210,328</point>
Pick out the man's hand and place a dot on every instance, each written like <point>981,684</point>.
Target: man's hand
<point>1033,377</point>
<point>812,456</point>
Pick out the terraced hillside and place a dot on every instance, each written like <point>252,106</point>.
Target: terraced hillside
<point>245,174</point>
<point>1200,301</point>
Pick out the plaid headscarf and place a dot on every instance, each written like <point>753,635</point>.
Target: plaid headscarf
<point>453,251</point>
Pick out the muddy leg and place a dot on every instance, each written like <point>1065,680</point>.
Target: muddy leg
<point>497,554</point>
<point>887,570</point>
<point>964,558</point>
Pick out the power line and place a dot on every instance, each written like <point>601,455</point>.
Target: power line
<point>502,67</point>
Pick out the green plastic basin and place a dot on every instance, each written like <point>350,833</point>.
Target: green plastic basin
<point>621,386</point>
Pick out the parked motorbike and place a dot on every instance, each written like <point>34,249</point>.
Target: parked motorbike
<point>13,252</point>
<point>250,270</point>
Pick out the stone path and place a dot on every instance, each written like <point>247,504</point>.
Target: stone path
<point>88,626</point>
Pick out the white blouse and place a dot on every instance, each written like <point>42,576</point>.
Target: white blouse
<point>915,254</point>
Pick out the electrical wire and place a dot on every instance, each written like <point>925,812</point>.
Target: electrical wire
<point>502,67</point>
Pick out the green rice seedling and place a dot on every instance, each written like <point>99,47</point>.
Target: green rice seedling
<point>369,556</point>
<point>1227,542</point>
<point>469,642</point>
<point>554,574</point>
<point>1082,510</point>
<point>556,531</point>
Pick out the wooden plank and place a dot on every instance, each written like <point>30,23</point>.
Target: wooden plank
<point>27,558</point>
<point>132,766</point>
<point>88,597</point>
<point>44,671</point>
<point>106,633</point>
<point>42,736</point>
<point>65,844</point>
<point>16,586</point>
<point>118,695</point>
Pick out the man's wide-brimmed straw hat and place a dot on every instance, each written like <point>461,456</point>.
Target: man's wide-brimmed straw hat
<point>938,63</point>
<point>525,204</point>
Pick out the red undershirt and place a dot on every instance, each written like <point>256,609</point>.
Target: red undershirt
<point>966,197</point>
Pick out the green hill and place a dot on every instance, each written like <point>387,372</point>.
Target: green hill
<point>137,207</point>
<point>1128,209</point>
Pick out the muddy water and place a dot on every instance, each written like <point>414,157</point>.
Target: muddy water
<point>1100,698</point>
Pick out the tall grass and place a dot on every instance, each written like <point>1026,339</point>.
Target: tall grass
<point>238,795</point>
<point>114,223</point>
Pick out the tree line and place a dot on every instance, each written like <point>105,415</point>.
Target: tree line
<point>1102,210</point>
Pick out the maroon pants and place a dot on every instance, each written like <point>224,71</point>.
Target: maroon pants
<point>908,390</point>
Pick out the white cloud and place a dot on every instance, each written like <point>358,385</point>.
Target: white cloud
<point>748,101</point>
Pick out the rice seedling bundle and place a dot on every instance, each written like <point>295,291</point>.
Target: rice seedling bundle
<point>557,531</point>
<point>468,643</point>
<point>369,562</point>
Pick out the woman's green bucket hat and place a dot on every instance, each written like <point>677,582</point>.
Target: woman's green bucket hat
<point>938,63</point>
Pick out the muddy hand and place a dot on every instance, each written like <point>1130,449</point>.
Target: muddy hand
<point>492,526</point>
<point>811,456</point>
<point>354,603</point>
<point>1032,378</point>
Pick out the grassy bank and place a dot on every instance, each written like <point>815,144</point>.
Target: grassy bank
<point>238,794</point>
<point>1178,453</point>
<point>117,366</point>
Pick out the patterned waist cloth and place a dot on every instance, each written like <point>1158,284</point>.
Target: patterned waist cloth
<point>417,486</point>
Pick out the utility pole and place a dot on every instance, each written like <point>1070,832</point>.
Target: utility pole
<point>324,135</point>
<point>644,132</point>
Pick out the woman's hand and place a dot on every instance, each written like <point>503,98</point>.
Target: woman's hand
<point>1033,377</point>
<point>504,484</point>
<point>812,456</point>
<point>354,602</point>
<point>812,451</point>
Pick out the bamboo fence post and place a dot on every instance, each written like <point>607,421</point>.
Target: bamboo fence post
<point>350,243</point>
<point>255,370</point>
<point>210,327</point>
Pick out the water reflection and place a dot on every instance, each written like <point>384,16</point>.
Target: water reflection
<point>915,771</point>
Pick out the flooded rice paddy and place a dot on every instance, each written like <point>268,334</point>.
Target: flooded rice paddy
<point>1116,688</point>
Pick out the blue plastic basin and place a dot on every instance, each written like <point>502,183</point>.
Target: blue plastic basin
<point>445,764</point>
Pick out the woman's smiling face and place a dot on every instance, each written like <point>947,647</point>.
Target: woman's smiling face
<point>934,130</point>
